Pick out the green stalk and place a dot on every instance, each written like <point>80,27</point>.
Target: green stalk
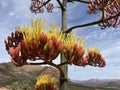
<point>63,80</point>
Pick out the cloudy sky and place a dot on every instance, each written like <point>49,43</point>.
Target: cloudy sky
<point>15,12</point>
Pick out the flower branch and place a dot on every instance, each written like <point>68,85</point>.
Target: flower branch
<point>61,5</point>
<point>91,23</point>
<point>37,6</point>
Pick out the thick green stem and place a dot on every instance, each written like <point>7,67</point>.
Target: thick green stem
<point>63,80</point>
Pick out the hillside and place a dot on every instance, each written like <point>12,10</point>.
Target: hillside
<point>10,74</point>
<point>96,84</point>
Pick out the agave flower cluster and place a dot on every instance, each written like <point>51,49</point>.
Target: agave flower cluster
<point>45,82</point>
<point>38,6</point>
<point>109,9</point>
<point>40,42</point>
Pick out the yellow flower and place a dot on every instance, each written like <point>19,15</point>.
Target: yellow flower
<point>46,82</point>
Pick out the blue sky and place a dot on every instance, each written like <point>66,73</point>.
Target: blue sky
<point>15,12</point>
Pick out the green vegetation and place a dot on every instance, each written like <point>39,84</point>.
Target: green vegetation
<point>25,85</point>
<point>24,78</point>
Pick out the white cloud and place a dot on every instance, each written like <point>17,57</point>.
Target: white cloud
<point>11,13</point>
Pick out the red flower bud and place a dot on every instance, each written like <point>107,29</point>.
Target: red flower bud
<point>103,62</point>
<point>84,61</point>
<point>17,61</point>
<point>68,48</point>
<point>17,51</point>
<point>59,45</point>
<point>25,47</point>
<point>35,47</point>
<point>49,45</point>
<point>43,38</point>
<point>80,52</point>
<point>54,54</point>
<point>12,52</point>
<point>54,39</point>
<point>75,47</point>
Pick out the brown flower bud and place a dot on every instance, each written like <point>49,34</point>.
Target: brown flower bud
<point>12,51</point>
<point>54,39</point>
<point>80,51</point>
<point>25,47</point>
<point>35,47</point>
<point>49,45</point>
<point>103,62</point>
<point>17,61</point>
<point>68,48</point>
<point>59,45</point>
<point>43,38</point>
<point>54,54</point>
<point>84,61</point>
<point>17,51</point>
<point>75,47</point>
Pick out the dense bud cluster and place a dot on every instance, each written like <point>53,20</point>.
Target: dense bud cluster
<point>38,6</point>
<point>38,42</point>
<point>94,58</point>
<point>45,82</point>
<point>109,9</point>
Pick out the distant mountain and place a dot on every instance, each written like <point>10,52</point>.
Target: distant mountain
<point>10,74</point>
<point>98,83</point>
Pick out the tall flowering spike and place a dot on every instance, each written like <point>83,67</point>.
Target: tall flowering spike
<point>95,58</point>
<point>109,9</point>
<point>45,82</point>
